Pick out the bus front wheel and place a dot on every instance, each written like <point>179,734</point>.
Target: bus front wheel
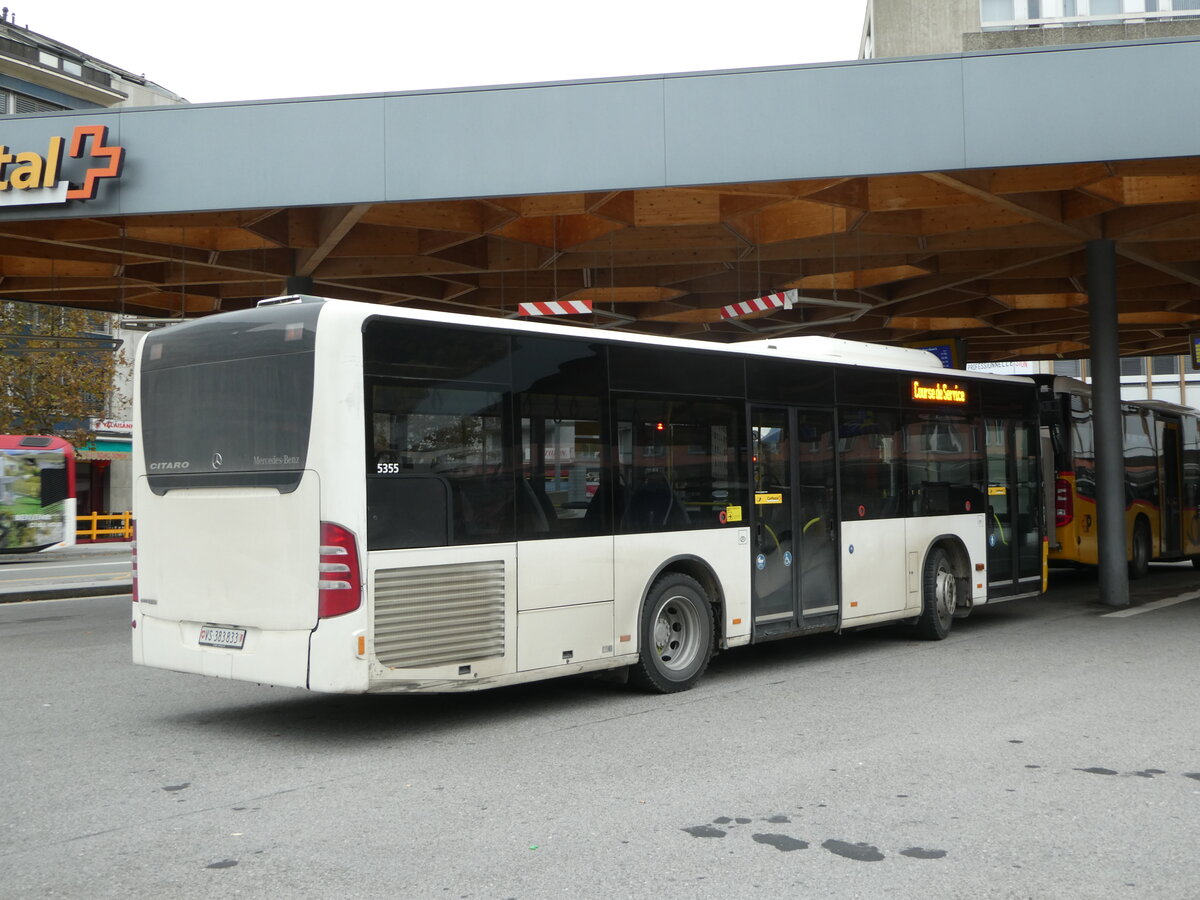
<point>939,596</point>
<point>675,635</point>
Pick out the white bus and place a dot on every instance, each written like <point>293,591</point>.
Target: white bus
<point>346,497</point>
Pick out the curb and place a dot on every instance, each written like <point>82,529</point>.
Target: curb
<point>63,593</point>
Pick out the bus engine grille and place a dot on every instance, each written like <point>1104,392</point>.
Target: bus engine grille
<point>434,615</point>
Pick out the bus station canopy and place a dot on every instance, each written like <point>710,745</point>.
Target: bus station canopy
<point>903,201</point>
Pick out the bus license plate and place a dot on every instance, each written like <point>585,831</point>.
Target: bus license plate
<point>215,636</point>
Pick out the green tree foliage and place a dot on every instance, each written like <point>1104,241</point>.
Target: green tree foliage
<point>52,377</point>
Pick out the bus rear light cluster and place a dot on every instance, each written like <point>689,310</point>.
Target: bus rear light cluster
<point>1064,503</point>
<point>339,584</point>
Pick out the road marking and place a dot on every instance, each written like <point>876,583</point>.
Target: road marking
<point>23,572</point>
<point>64,580</point>
<point>1157,604</point>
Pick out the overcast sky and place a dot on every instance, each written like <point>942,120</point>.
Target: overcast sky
<point>259,49</point>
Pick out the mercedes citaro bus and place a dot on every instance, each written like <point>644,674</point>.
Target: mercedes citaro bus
<point>348,497</point>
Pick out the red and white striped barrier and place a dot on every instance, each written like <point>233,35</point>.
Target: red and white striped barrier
<point>778,300</point>
<point>555,308</point>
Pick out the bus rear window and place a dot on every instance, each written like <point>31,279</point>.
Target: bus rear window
<point>227,401</point>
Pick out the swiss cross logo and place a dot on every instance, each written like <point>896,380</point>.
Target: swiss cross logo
<point>98,150</point>
<point>28,178</point>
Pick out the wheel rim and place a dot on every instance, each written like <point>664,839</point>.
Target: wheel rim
<point>676,634</point>
<point>945,592</point>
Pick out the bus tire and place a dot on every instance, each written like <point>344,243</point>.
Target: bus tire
<point>675,635</point>
<point>1139,562</point>
<point>939,596</point>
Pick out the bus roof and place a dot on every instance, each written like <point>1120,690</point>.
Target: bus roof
<point>810,348</point>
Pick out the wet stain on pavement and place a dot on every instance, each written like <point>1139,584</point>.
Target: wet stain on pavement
<point>177,787</point>
<point>780,842</point>
<point>1195,775</point>
<point>922,853</point>
<point>705,831</point>
<point>860,852</point>
<point>223,864</point>
<point>1097,770</point>
<point>785,843</point>
<point>1150,773</point>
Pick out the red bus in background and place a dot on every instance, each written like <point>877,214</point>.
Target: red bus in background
<point>37,493</point>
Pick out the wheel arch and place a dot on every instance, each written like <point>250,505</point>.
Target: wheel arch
<point>960,558</point>
<point>699,569</point>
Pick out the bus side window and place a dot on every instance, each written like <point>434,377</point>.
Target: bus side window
<point>439,469</point>
<point>408,511</point>
<point>683,462</point>
<point>870,460</point>
<point>563,458</point>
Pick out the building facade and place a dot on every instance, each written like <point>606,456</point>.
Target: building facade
<point>40,74</point>
<point>898,28</point>
<point>37,75</point>
<point>922,27</point>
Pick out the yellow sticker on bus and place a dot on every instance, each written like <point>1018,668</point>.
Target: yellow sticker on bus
<point>763,499</point>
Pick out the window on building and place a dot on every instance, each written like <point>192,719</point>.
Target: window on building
<point>72,68</point>
<point>1135,365</point>
<point>1072,368</point>
<point>14,104</point>
<point>1164,365</point>
<point>996,11</point>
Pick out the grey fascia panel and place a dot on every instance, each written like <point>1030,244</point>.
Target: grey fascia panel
<point>252,156</point>
<point>913,115</point>
<point>814,122</point>
<point>525,140</point>
<point>1083,104</point>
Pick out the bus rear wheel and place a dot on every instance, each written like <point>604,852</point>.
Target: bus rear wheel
<point>1139,562</point>
<point>675,635</point>
<point>939,596</point>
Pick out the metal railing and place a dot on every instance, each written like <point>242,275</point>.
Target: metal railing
<point>116,527</point>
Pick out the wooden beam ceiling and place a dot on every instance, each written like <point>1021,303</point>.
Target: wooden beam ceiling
<point>995,256</point>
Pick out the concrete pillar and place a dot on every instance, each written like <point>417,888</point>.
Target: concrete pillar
<point>1106,421</point>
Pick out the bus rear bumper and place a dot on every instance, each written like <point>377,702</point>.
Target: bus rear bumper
<point>267,657</point>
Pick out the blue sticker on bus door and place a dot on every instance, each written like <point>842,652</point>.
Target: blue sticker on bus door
<point>787,557</point>
<point>760,562</point>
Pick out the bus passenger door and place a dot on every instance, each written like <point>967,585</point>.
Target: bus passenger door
<point>795,538</point>
<point>1013,531</point>
<point>1170,487</point>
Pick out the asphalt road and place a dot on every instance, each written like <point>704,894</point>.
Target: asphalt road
<point>1044,750</point>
